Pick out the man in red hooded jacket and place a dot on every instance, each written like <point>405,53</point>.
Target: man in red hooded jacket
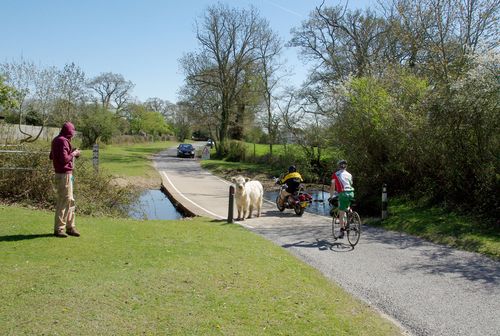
<point>62,155</point>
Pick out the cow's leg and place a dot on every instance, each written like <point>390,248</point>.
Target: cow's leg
<point>239,213</point>
<point>259,206</point>
<point>245,210</point>
<point>250,209</point>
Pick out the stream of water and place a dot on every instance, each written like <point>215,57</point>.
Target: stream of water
<point>319,205</point>
<point>154,204</point>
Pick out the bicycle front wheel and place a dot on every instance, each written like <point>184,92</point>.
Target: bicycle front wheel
<point>354,228</point>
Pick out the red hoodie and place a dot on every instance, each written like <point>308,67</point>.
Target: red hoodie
<point>61,151</point>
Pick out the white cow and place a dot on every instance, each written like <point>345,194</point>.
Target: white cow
<point>248,195</point>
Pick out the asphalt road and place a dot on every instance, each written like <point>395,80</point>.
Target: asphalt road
<point>426,288</point>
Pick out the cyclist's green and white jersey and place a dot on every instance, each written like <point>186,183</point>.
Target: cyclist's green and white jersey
<point>343,181</point>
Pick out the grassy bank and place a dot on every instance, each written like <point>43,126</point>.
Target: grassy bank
<point>191,277</point>
<point>443,227</point>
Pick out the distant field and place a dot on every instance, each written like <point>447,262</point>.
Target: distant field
<point>129,160</point>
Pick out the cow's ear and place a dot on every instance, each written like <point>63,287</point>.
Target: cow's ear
<point>247,179</point>
<point>233,179</point>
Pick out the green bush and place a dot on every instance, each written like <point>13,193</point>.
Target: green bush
<point>96,125</point>
<point>236,151</point>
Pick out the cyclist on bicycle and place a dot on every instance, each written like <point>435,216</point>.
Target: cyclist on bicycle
<point>292,181</point>
<point>342,187</point>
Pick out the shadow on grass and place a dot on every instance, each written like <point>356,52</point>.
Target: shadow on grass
<point>19,237</point>
<point>220,221</point>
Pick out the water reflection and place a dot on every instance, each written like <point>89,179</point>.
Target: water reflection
<point>318,206</point>
<point>153,204</point>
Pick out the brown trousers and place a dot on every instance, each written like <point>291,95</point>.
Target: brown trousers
<point>283,196</point>
<point>65,206</point>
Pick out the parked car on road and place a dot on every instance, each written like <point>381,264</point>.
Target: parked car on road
<point>185,150</point>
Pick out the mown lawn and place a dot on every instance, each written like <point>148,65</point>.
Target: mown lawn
<point>129,160</point>
<point>188,277</point>
<point>222,168</point>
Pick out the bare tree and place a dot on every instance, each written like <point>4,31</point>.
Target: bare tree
<point>71,91</point>
<point>204,108</point>
<point>270,72</point>
<point>20,76</point>
<point>164,107</point>
<point>440,35</point>
<point>111,88</point>
<point>478,22</point>
<point>340,41</point>
<point>182,122</point>
<point>46,90</point>
<point>228,40</point>
<point>305,114</point>
<point>37,92</point>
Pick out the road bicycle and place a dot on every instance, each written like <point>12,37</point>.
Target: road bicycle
<point>352,222</point>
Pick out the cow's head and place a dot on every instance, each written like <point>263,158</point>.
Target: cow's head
<point>239,183</point>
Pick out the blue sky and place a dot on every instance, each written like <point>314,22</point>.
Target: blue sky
<point>141,39</point>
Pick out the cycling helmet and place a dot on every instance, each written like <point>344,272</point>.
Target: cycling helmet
<point>292,169</point>
<point>342,163</point>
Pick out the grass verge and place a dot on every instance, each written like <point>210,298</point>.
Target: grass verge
<point>129,160</point>
<point>442,226</point>
<point>223,168</point>
<point>189,277</point>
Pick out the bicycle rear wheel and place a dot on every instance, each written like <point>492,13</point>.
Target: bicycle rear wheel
<point>335,227</point>
<point>354,228</point>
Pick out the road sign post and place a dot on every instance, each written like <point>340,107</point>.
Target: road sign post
<point>95,157</point>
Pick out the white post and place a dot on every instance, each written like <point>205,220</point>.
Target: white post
<point>384,201</point>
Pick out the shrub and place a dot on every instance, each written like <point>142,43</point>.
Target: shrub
<point>236,151</point>
<point>27,178</point>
